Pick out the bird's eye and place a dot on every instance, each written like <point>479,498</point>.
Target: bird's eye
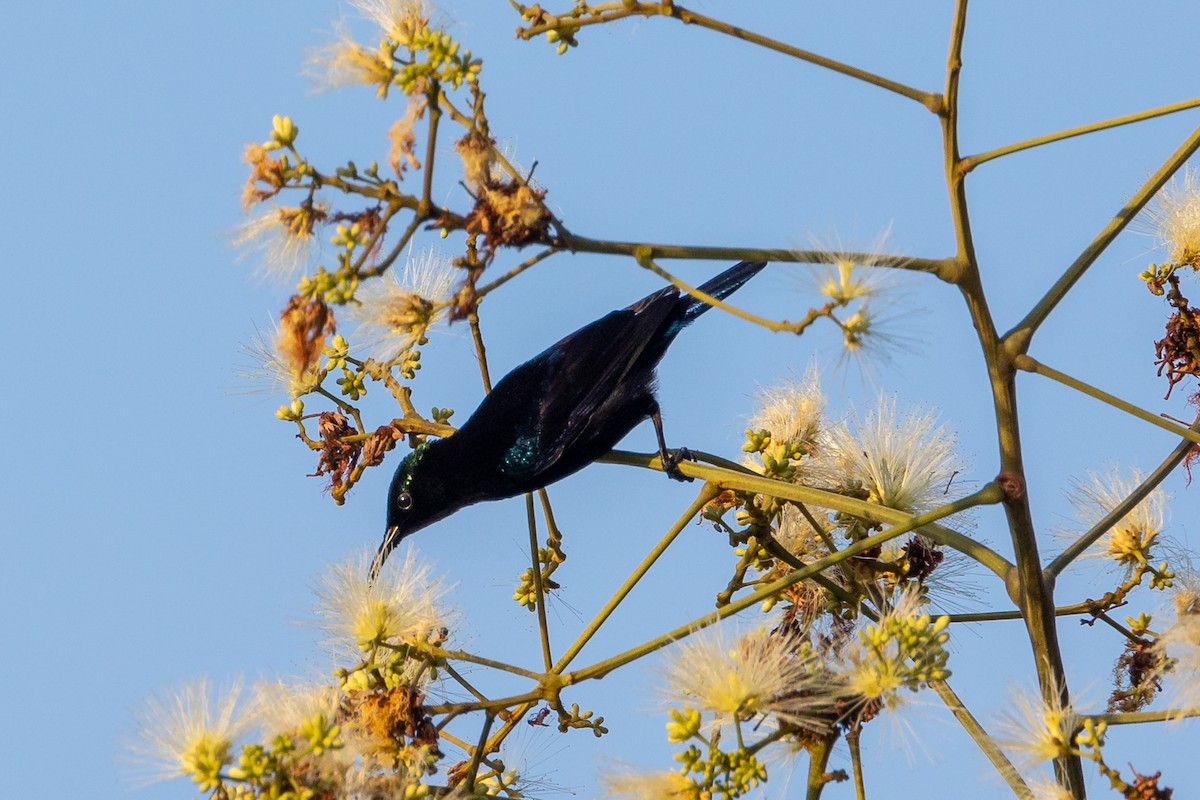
<point>404,501</point>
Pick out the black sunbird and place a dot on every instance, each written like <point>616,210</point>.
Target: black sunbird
<point>553,415</point>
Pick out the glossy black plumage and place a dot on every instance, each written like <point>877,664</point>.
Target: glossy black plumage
<point>553,415</point>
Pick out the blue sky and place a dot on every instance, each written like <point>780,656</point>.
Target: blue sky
<point>157,519</point>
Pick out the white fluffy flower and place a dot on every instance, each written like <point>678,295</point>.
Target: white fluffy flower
<point>792,411</point>
<point>399,312</point>
<point>402,605</point>
<point>1175,217</point>
<point>192,733</point>
<point>1037,731</point>
<point>759,673</point>
<point>283,237</point>
<point>1131,538</point>
<point>906,461</point>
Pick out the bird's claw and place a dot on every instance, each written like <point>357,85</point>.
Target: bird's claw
<point>670,461</point>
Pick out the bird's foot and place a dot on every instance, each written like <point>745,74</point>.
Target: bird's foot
<point>671,459</point>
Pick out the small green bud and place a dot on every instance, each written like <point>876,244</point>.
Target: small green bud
<point>683,725</point>
<point>283,131</point>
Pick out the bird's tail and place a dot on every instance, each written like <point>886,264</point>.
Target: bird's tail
<point>720,287</point>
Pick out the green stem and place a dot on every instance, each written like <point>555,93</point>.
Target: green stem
<point>928,99</point>
<point>777,327</point>
<point>688,17</point>
<point>1022,333</point>
<point>381,266</point>
<point>970,162</point>
<point>453,673</point>
<point>779,552</point>
<point>1026,585</point>
<point>1138,717</point>
<point>993,616</point>
<point>539,590</point>
<point>515,271</point>
<point>462,655</point>
<point>343,405</point>
<point>752,482</point>
<point>818,760</point>
<point>988,494</point>
<point>707,493</point>
<point>435,114</point>
<point>982,740</point>
<point>477,756</point>
<point>852,740</point>
<point>376,237</point>
<point>498,704</point>
<point>480,350</point>
<point>1030,364</point>
<point>937,266</point>
<point>1119,628</point>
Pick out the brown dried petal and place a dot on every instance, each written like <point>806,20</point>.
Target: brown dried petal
<point>337,457</point>
<point>1136,677</point>
<point>1178,353</point>
<point>511,214</point>
<point>263,170</point>
<point>1145,787</point>
<point>476,150</point>
<point>381,441</point>
<point>402,137</point>
<point>396,716</point>
<point>923,558</point>
<point>303,326</point>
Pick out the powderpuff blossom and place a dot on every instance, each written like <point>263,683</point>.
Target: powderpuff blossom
<point>864,295</point>
<point>1130,539</point>
<point>282,236</point>
<point>402,605</point>
<point>847,279</point>
<point>271,371</point>
<point>758,674</point>
<point>1043,787</point>
<point>399,20</point>
<point>648,785</point>
<point>398,313</point>
<point>791,412</point>
<point>345,62</point>
<point>192,733</point>
<point>1175,218</point>
<point>1038,731</point>
<point>905,461</point>
<point>285,708</point>
<point>905,649</point>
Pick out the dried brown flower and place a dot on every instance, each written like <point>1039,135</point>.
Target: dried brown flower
<point>338,456</point>
<point>509,214</point>
<point>1136,676</point>
<point>923,558</point>
<point>303,326</point>
<point>381,441</point>
<point>476,150</point>
<point>1145,787</point>
<point>1178,353</point>
<point>402,137</point>
<point>264,170</point>
<point>394,716</point>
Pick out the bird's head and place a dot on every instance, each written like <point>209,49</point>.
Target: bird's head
<point>415,499</point>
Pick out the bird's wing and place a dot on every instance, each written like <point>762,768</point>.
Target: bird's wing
<point>588,367</point>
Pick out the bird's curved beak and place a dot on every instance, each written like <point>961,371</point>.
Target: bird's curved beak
<point>390,540</point>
